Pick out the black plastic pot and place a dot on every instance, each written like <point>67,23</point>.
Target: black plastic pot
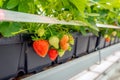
<point>100,42</point>
<point>119,39</point>
<point>68,54</point>
<point>92,43</point>
<point>35,63</point>
<point>112,42</point>
<point>107,44</point>
<point>10,55</point>
<point>116,40</point>
<point>82,44</point>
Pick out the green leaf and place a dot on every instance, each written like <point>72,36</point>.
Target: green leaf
<point>94,32</point>
<point>6,29</point>
<point>66,3</point>
<point>104,1</point>
<point>83,30</point>
<point>80,5</point>
<point>92,14</point>
<point>23,7</point>
<point>1,3</point>
<point>12,4</point>
<point>91,25</point>
<point>116,3</point>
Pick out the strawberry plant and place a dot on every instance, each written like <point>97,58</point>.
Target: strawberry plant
<point>58,37</point>
<point>50,37</point>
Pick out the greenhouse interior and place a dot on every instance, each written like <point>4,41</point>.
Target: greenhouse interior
<point>60,39</point>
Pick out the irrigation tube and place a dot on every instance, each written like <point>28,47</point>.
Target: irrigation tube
<point>7,15</point>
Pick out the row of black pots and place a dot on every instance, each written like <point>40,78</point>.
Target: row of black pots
<point>83,45</point>
<point>102,43</point>
<point>17,56</point>
<point>11,57</point>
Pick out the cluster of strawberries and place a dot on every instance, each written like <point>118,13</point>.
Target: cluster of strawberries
<point>110,37</point>
<point>54,46</point>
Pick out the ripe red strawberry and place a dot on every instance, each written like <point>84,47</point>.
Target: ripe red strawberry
<point>52,53</point>
<point>107,39</point>
<point>41,47</point>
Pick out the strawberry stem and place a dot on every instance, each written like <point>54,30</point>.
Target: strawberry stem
<point>50,31</point>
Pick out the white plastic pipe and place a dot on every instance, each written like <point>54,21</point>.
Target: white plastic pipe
<point>107,26</point>
<point>6,15</point>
